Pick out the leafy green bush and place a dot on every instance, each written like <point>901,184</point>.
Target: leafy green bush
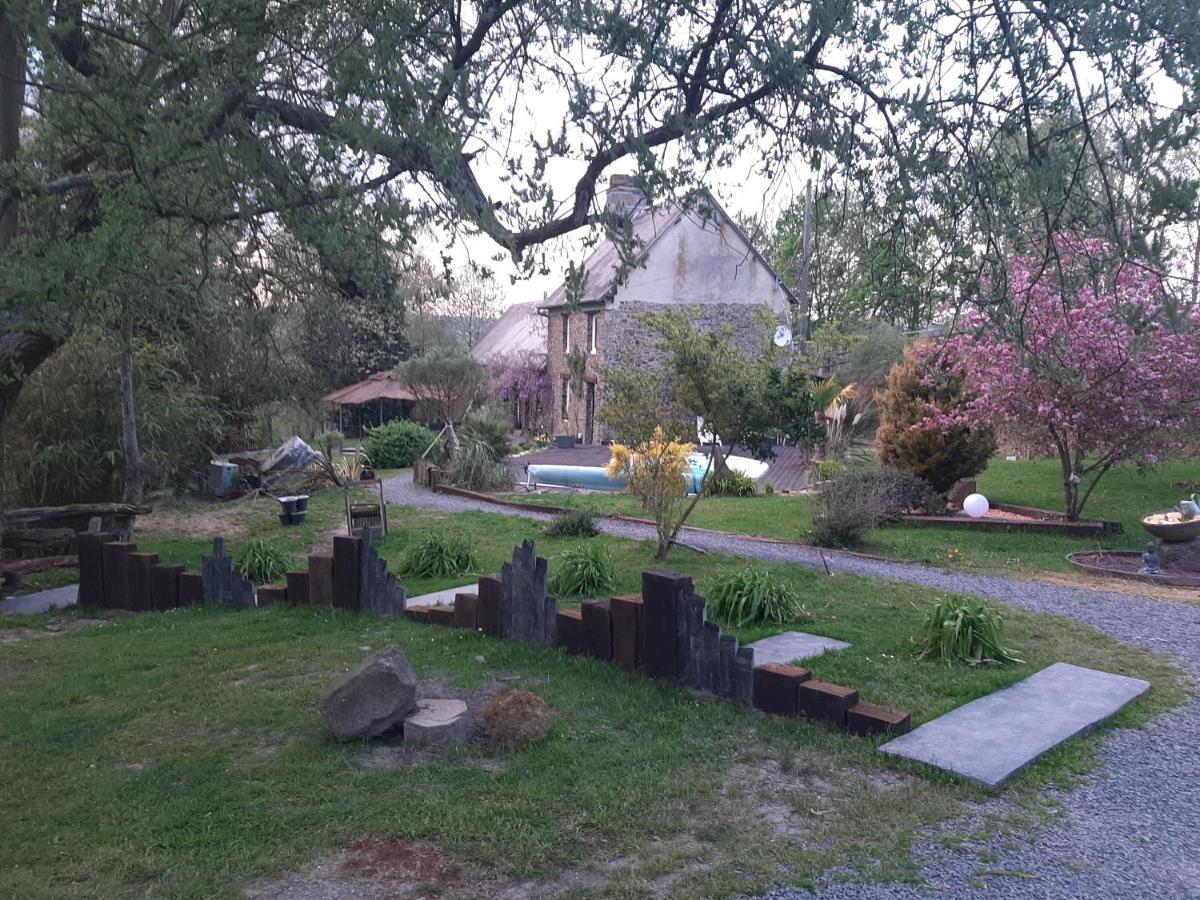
<point>474,466</point>
<point>399,443</point>
<point>585,571</point>
<point>264,562</point>
<point>963,630</point>
<point>573,524</point>
<point>733,484</point>
<point>755,596</point>
<point>437,554</point>
<point>488,428</point>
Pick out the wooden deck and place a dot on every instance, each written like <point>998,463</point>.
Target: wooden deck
<point>787,472</point>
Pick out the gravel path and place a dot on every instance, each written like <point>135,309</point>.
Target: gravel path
<point>1132,830</point>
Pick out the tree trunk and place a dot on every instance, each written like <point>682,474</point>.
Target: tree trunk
<point>134,472</point>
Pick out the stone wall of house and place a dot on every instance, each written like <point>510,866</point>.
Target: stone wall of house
<point>557,366</point>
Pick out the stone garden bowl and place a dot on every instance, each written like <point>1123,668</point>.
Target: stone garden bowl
<point>1170,526</point>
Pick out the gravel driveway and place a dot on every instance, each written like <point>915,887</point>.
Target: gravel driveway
<point>1133,830</point>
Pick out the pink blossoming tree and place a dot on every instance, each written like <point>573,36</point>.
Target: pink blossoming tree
<point>1087,354</point>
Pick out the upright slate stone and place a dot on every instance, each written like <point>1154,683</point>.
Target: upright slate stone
<point>551,621</point>
<point>689,637</point>
<point>597,627</point>
<point>137,580</point>
<point>661,593</point>
<point>490,592</point>
<point>91,567</point>
<point>113,556</point>
<point>221,583</point>
<point>379,592</point>
<point>466,610</point>
<point>320,579</point>
<point>742,688</point>
<point>345,572</point>
<point>626,614</point>
<point>297,588</point>
<point>728,661</point>
<point>191,588</point>
<point>217,571</point>
<point>523,600</point>
<point>710,659</point>
<point>164,586</point>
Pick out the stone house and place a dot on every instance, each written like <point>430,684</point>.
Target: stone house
<point>694,258</point>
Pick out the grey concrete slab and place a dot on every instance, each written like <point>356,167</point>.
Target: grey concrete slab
<point>790,646</point>
<point>991,739</point>
<point>42,601</point>
<point>440,598</point>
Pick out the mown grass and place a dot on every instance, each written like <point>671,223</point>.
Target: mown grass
<point>1124,495</point>
<point>182,755</point>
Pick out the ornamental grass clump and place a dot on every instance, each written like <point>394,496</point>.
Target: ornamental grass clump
<point>755,596</point>
<point>475,466</point>
<point>438,555</point>
<point>573,524</point>
<point>264,562</point>
<point>963,630</point>
<point>585,571</point>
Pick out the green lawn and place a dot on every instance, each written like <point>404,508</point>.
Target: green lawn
<point>1124,495</point>
<point>182,755</point>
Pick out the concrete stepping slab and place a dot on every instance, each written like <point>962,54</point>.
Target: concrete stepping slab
<point>436,722</point>
<point>790,646</point>
<point>991,739</point>
<point>42,601</point>
<point>439,598</point>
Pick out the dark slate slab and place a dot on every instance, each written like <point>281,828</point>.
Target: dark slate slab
<point>320,579</point>
<point>710,659</point>
<point>164,585</point>
<point>597,627</point>
<point>742,688</point>
<point>191,588</point>
<point>569,631</point>
<point>272,595</point>
<point>91,567</point>
<point>626,615</point>
<point>466,610</point>
<point>727,661</point>
<point>345,572</point>
<point>689,637</point>
<point>661,592</point>
<point>297,588</point>
<point>490,591</point>
<point>991,739</point>
<point>137,580</point>
<point>551,621</point>
<point>523,600</point>
<point>217,570</point>
<point>113,556</point>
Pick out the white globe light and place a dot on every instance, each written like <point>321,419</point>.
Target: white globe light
<point>976,506</point>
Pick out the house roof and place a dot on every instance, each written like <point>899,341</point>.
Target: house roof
<point>380,386</point>
<point>519,331</point>
<point>601,269</point>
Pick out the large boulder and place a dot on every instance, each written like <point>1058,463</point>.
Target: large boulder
<point>373,698</point>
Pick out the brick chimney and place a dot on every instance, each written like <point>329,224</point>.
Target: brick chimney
<point>624,197</point>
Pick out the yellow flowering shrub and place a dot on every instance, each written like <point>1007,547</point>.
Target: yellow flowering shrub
<point>656,473</point>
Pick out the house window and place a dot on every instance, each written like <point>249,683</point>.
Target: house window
<point>592,317</point>
<point>566,326</point>
<point>565,406</point>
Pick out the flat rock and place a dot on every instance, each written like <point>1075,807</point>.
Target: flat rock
<point>42,601</point>
<point>439,598</point>
<point>991,739</point>
<point>372,699</point>
<point>436,722</point>
<point>790,646</point>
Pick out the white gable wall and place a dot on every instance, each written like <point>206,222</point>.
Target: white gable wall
<point>702,262</point>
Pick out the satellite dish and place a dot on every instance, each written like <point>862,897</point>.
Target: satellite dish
<point>783,336</point>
